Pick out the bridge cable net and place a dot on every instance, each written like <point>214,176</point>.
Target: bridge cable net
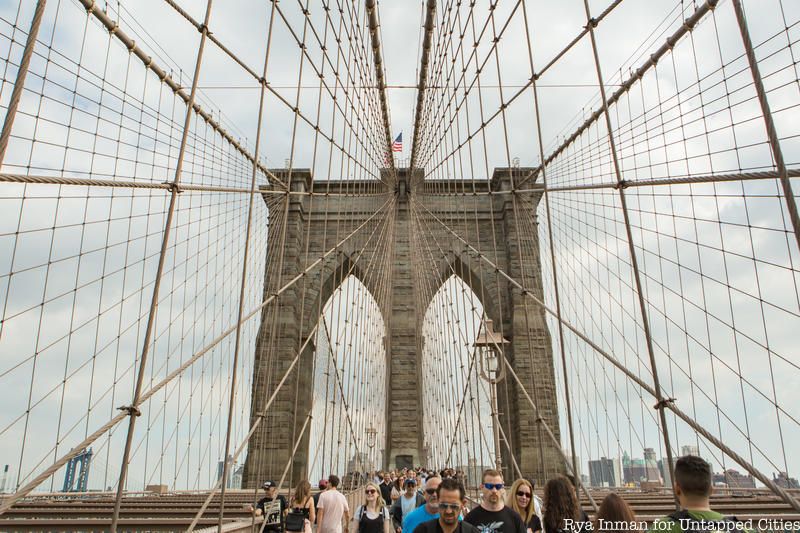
<point>656,234</point>
<point>163,307</point>
<point>140,221</point>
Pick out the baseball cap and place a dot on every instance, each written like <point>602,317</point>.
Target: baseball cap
<point>323,483</point>
<point>268,484</point>
<point>410,481</point>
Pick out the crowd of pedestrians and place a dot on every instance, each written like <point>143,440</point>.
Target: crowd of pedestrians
<point>424,501</point>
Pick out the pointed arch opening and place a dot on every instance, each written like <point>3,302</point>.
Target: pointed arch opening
<point>348,425</point>
<point>457,426</point>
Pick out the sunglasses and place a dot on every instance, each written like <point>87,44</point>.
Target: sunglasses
<point>449,506</point>
<point>430,491</point>
<point>523,494</point>
<point>490,486</point>
<point>370,491</point>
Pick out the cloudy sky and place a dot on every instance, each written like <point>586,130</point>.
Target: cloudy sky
<point>718,261</point>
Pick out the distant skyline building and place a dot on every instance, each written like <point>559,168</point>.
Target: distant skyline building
<point>651,470</point>
<point>632,469</point>
<point>690,449</point>
<point>665,472</point>
<point>784,481</point>
<point>233,468</point>
<point>605,472</point>
<point>236,482</point>
<point>734,479</point>
<point>4,480</point>
<point>636,471</point>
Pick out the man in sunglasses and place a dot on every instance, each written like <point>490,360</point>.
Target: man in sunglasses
<point>409,500</point>
<point>451,498</point>
<point>429,511</point>
<point>492,515</point>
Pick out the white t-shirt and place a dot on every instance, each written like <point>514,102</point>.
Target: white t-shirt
<point>335,505</point>
<point>408,504</point>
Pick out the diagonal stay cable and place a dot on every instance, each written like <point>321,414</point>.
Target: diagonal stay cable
<point>537,416</point>
<point>430,12</point>
<point>781,492</point>
<point>112,26</point>
<point>687,26</point>
<point>25,490</point>
<point>262,81</point>
<point>260,416</point>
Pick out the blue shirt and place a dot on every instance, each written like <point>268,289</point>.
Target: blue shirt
<point>418,516</point>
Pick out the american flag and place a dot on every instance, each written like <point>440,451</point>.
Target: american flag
<point>397,145</point>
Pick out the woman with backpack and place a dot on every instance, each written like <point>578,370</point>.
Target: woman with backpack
<point>301,511</point>
<point>372,516</point>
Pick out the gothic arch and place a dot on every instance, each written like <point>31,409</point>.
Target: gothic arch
<point>307,235</point>
<point>481,282</point>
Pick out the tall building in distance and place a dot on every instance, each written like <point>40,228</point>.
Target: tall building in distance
<point>783,480</point>
<point>733,479</point>
<point>234,470</point>
<point>651,470</point>
<point>605,472</point>
<point>4,480</point>
<point>690,449</point>
<point>665,472</point>
<point>632,469</point>
<point>636,471</point>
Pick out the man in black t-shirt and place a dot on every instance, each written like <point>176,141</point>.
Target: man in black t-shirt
<point>386,488</point>
<point>272,507</point>
<point>492,515</point>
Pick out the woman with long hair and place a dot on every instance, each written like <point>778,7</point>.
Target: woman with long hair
<point>372,516</point>
<point>397,490</point>
<point>615,515</point>
<point>521,499</point>
<point>560,503</point>
<point>301,508</point>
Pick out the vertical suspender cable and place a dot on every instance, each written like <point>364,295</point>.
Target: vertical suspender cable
<point>243,286</point>
<point>423,73</point>
<point>546,198</point>
<point>372,12</point>
<point>660,400</point>
<point>133,409</point>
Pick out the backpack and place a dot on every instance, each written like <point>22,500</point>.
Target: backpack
<point>296,518</point>
<point>695,524</point>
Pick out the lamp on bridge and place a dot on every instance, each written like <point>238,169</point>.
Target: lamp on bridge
<point>372,435</point>
<point>490,346</point>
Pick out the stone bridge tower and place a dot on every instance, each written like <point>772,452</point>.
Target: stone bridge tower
<point>316,223</point>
